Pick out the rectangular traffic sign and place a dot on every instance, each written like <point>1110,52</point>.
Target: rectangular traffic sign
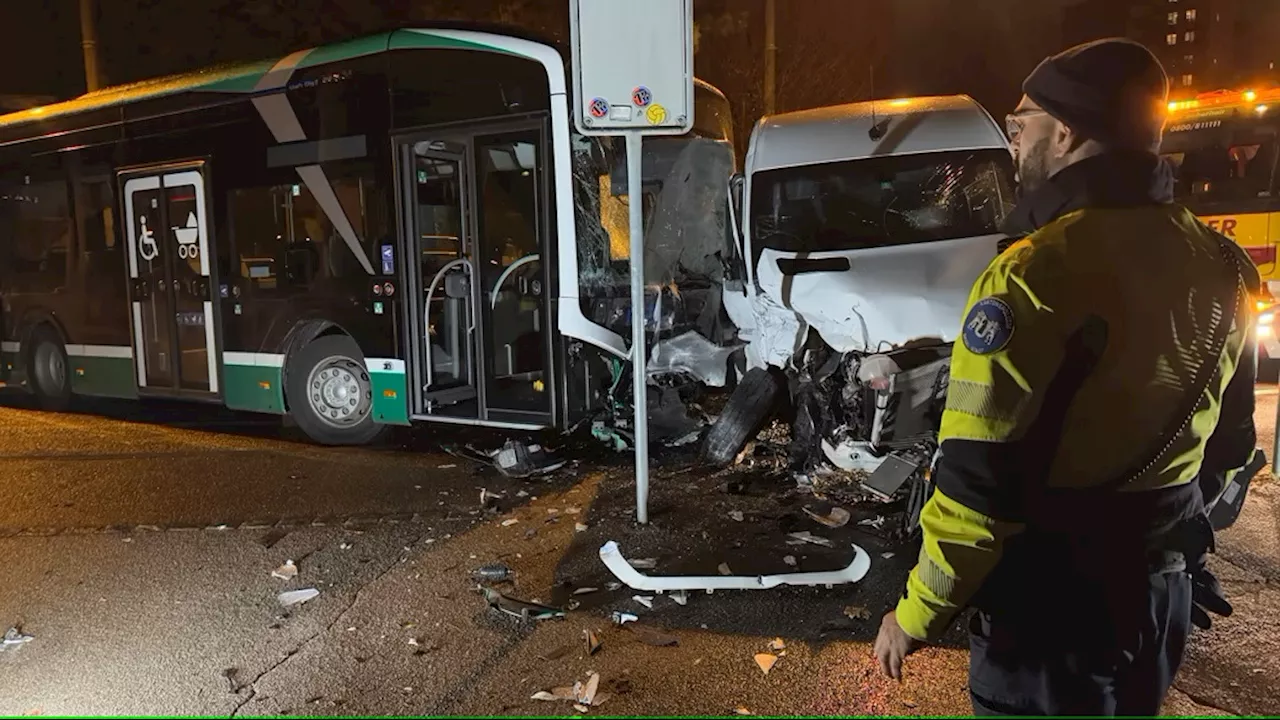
<point>632,66</point>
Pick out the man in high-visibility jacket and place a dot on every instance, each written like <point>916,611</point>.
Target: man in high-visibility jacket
<point>1104,367</point>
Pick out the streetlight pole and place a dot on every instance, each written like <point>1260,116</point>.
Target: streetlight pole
<point>770,58</point>
<point>89,44</point>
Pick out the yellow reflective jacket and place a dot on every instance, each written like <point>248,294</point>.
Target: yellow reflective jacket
<point>1105,247</point>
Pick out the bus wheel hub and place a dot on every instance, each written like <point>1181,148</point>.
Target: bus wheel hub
<point>335,393</point>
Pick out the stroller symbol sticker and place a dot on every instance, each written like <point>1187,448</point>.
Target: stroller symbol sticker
<point>187,236</point>
<point>148,251</point>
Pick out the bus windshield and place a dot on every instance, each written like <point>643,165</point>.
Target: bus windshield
<point>894,200</point>
<point>685,183</point>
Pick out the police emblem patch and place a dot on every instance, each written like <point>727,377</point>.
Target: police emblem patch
<point>988,327</point>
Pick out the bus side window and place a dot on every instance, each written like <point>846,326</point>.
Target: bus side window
<point>36,224</point>
<point>101,267</point>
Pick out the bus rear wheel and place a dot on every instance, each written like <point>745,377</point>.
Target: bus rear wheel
<point>48,369</point>
<point>330,393</point>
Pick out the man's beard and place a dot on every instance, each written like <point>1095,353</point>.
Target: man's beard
<point>1033,168</point>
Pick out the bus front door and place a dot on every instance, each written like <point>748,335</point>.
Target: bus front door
<point>477,216</point>
<point>170,282</point>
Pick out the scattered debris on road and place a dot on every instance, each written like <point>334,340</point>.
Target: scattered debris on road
<point>736,515</point>
<point>345,545</point>
<point>14,637</point>
<point>585,590</point>
<point>857,612</point>
<point>645,600</point>
<point>489,499</point>
<point>723,569</point>
<point>801,538</point>
<point>517,460</point>
<point>622,618</point>
<point>579,527</point>
<point>680,597</point>
<point>287,571</point>
<point>876,522</point>
<point>229,674</point>
<point>790,560</point>
<point>857,569</point>
<point>496,572</point>
<point>520,608</point>
<point>740,710</point>
<point>296,597</point>
<point>643,563</point>
<point>510,521</point>
<point>778,645</point>
<point>655,638</point>
<point>766,661</point>
<point>582,695</point>
<point>593,642</point>
<point>886,555</point>
<point>834,518</point>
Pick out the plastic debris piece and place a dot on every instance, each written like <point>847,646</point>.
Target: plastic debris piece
<point>645,600</point>
<point>580,707</point>
<point>876,522</point>
<point>489,499</point>
<point>522,494</point>
<point>643,563</point>
<point>510,521</point>
<point>496,572</point>
<point>622,618</point>
<point>790,560</point>
<point>736,515</point>
<point>612,586</point>
<point>837,517</point>
<point>572,510</point>
<point>446,466</point>
<point>656,638</point>
<point>520,608</point>
<point>585,590</point>
<point>857,612</point>
<point>723,569</point>
<point>593,642</point>
<point>681,597</point>
<point>517,460</point>
<point>740,710</point>
<point>14,636</point>
<point>777,644</point>
<point>543,695</point>
<point>287,571</point>
<point>296,597</point>
<point>588,695</point>
<point>801,538</point>
<point>766,661</point>
<point>579,527</point>
<point>344,545</point>
<point>855,571</point>
<point>886,555</point>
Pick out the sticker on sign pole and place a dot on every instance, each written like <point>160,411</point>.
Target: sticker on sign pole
<point>641,97</point>
<point>599,108</point>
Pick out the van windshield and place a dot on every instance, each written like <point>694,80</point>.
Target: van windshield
<point>873,202</point>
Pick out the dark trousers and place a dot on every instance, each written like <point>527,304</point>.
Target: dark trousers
<point>1112,656</point>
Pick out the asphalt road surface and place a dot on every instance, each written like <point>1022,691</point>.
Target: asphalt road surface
<point>138,555</point>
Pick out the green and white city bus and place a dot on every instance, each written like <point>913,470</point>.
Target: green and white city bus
<point>398,228</point>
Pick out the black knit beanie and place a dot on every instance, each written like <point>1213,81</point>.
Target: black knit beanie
<point>1112,90</point>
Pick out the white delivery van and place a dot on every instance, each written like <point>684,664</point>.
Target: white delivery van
<point>859,230</point>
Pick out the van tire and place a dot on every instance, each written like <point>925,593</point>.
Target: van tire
<point>757,397</point>
<point>330,393</point>
<point>48,369</point>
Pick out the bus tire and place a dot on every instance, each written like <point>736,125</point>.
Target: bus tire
<point>330,393</point>
<point>49,369</point>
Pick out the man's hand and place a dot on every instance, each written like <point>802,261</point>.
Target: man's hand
<point>893,644</point>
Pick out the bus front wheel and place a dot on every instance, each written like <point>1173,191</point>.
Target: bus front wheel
<point>330,394</point>
<point>49,370</point>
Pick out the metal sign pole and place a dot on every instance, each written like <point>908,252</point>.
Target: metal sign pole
<point>639,374</point>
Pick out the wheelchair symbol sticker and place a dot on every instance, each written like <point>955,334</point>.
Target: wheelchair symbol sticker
<point>148,250</point>
<point>641,97</point>
<point>599,108</point>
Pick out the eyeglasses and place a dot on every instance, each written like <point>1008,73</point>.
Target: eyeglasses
<point>1015,122</point>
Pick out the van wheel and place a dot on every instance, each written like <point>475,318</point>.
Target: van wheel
<point>758,395</point>
<point>330,394</point>
<point>48,369</point>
